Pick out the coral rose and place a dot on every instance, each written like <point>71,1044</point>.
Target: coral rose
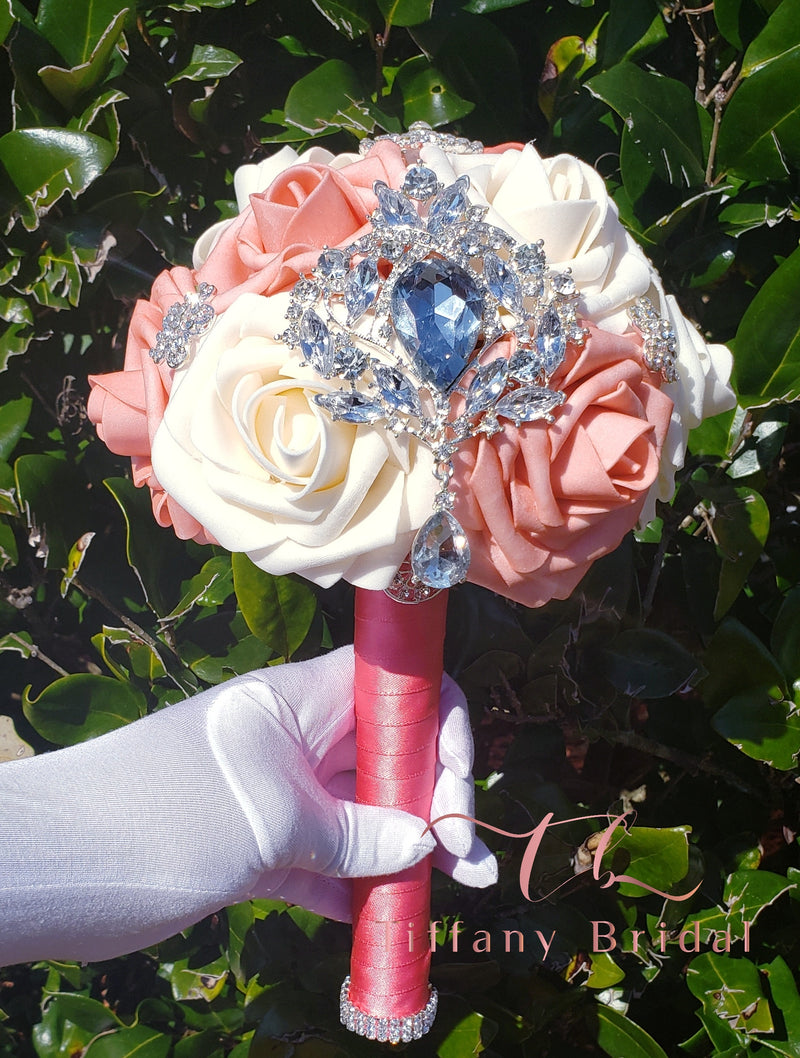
<point>540,502</point>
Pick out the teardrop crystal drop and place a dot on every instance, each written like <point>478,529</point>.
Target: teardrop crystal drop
<point>440,554</point>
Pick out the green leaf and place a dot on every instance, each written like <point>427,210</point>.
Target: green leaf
<point>198,982</point>
<point>662,118</point>
<point>14,415</point>
<point>748,893</point>
<point>48,490</point>
<point>247,653</point>
<point>737,660</point>
<point>44,164</point>
<point>208,63</point>
<point>741,527</point>
<point>618,1035</point>
<point>785,640</point>
<point>350,17</point>
<point>427,95</point>
<point>67,85</point>
<point>137,1042</point>
<point>659,857</point>
<point>762,728</point>
<point>9,556</point>
<point>279,610</point>
<point>777,40</point>
<point>20,643</point>
<point>405,12</point>
<point>143,660</point>
<point>75,37</point>
<point>469,1035</point>
<point>604,973</point>
<point>76,708</point>
<point>153,553</point>
<point>486,7</point>
<point>210,587</point>
<point>322,98</point>
<point>730,989</point>
<point>645,663</point>
<point>767,345</point>
<point>6,19</point>
<point>759,135</point>
<point>633,28</point>
<point>69,1024</point>
<point>785,996</point>
<point>738,20</point>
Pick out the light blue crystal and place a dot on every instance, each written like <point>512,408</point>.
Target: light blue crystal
<point>361,288</point>
<point>502,281</point>
<point>350,406</point>
<point>449,205</point>
<point>397,390</point>
<point>420,182</point>
<point>315,342</point>
<point>529,403</point>
<point>437,311</point>
<point>332,264</point>
<point>487,386</point>
<point>395,208</point>
<point>440,553</point>
<point>551,340</point>
<point>525,365</point>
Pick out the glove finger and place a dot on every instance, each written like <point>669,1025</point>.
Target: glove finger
<point>340,757</point>
<point>342,785</point>
<point>455,734</point>
<point>331,897</point>
<point>454,795</point>
<point>478,869</point>
<point>376,841</point>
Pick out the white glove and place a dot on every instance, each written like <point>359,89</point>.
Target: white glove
<point>238,792</point>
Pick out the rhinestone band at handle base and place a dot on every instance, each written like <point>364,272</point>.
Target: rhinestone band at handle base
<point>386,1030</point>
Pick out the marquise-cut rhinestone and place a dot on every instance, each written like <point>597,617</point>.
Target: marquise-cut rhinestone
<point>361,288</point>
<point>315,343</point>
<point>449,205</point>
<point>440,553</point>
<point>351,406</point>
<point>502,281</point>
<point>436,309</point>
<point>395,209</point>
<point>551,341</point>
<point>397,390</point>
<point>529,403</point>
<point>487,386</point>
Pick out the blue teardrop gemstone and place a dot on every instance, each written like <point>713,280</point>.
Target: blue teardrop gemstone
<point>437,311</point>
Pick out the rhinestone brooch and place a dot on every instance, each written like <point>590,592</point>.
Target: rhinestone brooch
<point>183,323</point>
<point>410,316</point>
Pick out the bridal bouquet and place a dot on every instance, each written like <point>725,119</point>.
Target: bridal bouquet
<point>427,363</point>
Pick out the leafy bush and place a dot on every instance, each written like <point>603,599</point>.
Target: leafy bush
<point>667,683</point>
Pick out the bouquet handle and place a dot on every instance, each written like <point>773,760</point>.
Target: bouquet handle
<point>398,675</point>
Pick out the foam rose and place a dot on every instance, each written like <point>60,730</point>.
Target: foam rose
<point>245,449</point>
<point>542,501</point>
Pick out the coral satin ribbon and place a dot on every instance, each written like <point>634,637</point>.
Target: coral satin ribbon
<point>398,677</point>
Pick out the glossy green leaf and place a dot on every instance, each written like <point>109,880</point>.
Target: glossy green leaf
<point>141,659</point>
<point>14,416</point>
<point>196,982</point>
<point>208,63</point>
<point>748,893</point>
<point>427,95</point>
<point>785,996</point>
<point>210,587</point>
<point>738,20</point>
<point>730,989</point>
<point>47,490</point>
<point>662,118</point>
<point>618,1035</point>
<point>566,60</point>
<point>199,5</point>
<point>741,526</point>
<point>779,38</point>
<point>152,551</point>
<point>767,361</point>
<point>322,97</point>
<point>737,660</point>
<point>69,1024</point>
<point>751,210</point>
<point>633,28</point>
<point>350,17</point>
<point>405,12</point>
<point>8,492</point>
<point>140,1041</point>
<point>20,643</point>
<point>656,856</point>
<point>646,663</point>
<point>76,37</point>
<point>764,444</point>
<point>247,653</point>
<point>759,136</point>
<point>716,435</point>
<point>486,7</point>
<point>6,19</point>
<point>604,973</point>
<point>9,555</point>
<point>761,727</point>
<point>468,1036</point>
<point>44,164</point>
<point>785,639</point>
<point>279,610</point>
<point>75,708</point>
<point>67,85</point>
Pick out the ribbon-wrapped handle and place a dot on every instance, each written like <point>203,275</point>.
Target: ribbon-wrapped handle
<point>398,676</point>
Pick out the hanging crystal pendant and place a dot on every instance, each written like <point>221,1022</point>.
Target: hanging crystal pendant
<point>440,554</point>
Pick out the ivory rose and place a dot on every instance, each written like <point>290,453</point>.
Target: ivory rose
<point>245,449</point>
<point>542,501</point>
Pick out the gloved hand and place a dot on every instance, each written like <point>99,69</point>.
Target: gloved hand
<point>240,791</point>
